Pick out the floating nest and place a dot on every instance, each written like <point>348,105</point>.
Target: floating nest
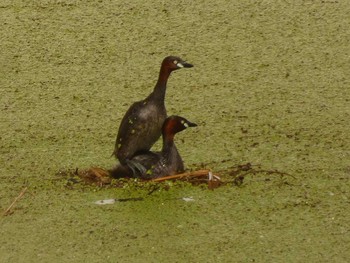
<point>234,175</point>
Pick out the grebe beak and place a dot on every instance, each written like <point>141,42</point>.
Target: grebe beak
<point>190,124</point>
<point>184,64</point>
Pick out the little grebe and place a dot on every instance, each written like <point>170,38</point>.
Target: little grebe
<point>141,125</point>
<point>158,164</point>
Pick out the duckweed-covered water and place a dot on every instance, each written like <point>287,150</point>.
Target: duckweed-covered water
<point>270,86</point>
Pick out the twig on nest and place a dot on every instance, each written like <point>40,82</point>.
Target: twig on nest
<point>7,211</point>
<point>96,175</point>
<point>240,171</point>
<point>213,180</point>
<point>274,172</point>
<point>183,175</point>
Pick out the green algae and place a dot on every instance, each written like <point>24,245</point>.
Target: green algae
<point>270,86</point>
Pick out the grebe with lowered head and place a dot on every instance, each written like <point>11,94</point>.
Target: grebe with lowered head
<point>158,164</point>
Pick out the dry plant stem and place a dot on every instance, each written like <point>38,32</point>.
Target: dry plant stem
<point>275,172</point>
<point>183,175</point>
<point>14,201</point>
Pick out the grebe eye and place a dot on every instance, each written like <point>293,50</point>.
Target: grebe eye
<point>184,123</point>
<point>175,62</point>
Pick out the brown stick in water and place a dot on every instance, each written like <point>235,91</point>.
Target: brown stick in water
<point>7,211</point>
